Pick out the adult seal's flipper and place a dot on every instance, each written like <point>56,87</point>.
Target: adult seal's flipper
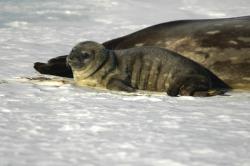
<point>55,66</point>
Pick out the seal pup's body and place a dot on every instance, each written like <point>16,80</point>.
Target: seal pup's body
<point>144,68</point>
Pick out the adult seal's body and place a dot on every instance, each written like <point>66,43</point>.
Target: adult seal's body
<point>220,45</point>
<point>144,68</point>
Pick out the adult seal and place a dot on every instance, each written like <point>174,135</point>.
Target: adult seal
<point>144,68</point>
<point>220,45</point>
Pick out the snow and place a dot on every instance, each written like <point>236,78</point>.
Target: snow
<point>61,124</point>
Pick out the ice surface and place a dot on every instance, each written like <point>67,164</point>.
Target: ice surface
<point>66,125</point>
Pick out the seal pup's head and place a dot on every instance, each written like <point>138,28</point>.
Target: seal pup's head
<point>86,58</point>
<point>85,53</point>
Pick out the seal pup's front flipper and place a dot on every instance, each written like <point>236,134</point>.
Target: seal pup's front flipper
<point>119,85</point>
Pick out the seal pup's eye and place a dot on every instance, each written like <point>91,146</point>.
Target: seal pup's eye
<point>83,52</point>
<point>85,57</point>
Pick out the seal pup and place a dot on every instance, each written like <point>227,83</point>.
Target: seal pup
<point>143,68</point>
<point>220,45</point>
